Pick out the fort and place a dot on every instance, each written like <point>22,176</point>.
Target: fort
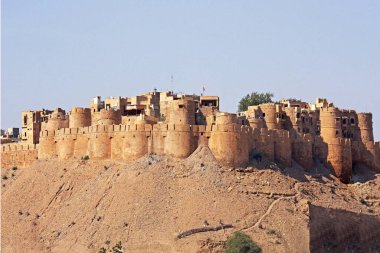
<point>165,123</point>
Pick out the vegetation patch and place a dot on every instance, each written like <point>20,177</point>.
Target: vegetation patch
<point>85,158</point>
<point>241,243</point>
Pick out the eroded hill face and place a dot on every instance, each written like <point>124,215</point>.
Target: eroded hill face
<point>81,206</point>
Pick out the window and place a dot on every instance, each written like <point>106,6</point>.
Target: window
<point>336,133</point>
<point>352,121</point>
<point>181,106</point>
<point>298,115</point>
<point>344,121</point>
<point>263,115</point>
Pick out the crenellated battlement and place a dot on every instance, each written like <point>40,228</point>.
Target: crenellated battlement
<point>18,147</point>
<point>80,110</point>
<point>176,124</point>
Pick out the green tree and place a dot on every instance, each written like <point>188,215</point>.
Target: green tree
<point>255,98</point>
<point>241,243</point>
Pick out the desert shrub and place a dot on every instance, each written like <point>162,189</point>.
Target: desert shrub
<point>5,177</point>
<point>85,158</point>
<point>271,232</point>
<point>117,248</point>
<point>14,168</point>
<point>241,243</point>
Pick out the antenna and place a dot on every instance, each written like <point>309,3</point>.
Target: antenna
<point>172,83</point>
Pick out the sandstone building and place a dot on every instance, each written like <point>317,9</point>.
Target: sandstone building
<point>176,124</point>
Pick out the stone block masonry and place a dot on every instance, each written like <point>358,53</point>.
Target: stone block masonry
<point>166,123</point>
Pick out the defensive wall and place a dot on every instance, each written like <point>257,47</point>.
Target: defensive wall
<point>231,144</point>
<point>18,155</point>
<point>284,135</point>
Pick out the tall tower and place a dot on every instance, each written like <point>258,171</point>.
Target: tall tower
<point>365,127</point>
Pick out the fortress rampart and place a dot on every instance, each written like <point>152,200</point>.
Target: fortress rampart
<point>230,143</point>
<point>18,155</point>
<point>175,125</point>
<point>365,126</point>
<point>106,117</point>
<point>79,117</point>
<point>339,158</point>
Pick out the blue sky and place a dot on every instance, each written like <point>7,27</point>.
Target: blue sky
<point>62,53</point>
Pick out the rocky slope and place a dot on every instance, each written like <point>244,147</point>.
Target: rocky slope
<point>81,206</point>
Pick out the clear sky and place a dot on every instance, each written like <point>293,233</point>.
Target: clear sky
<point>62,53</point>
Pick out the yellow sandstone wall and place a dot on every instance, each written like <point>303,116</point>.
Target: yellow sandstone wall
<point>271,111</point>
<point>377,156</point>
<point>283,147</point>
<point>79,117</point>
<point>303,150</point>
<point>365,126</point>
<point>18,155</point>
<point>339,158</point>
<point>181,111</point>
<point>106,117</point>
<point>230,143</point>
<point>179,140</point>
<point>47,145</point>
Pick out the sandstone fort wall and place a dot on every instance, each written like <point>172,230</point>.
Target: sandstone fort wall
<point>18,155</point>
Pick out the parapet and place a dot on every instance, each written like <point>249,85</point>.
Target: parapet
<point>17,147</point>
<point>181,111</point>
<point>106,117</point>
<point>224,118</point>
<point>80,110</point>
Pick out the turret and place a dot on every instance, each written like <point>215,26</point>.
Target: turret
<point>331,128</point>
<point>272,115</point>
<point>106,117</point>
<point>339,158</point>
<point>229,142</point>
<point>56,120</point>
<point>79,117</point>
<point>365,127</point>
<point>181,111</point>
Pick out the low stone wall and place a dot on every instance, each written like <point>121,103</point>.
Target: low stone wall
<point>18,155</point>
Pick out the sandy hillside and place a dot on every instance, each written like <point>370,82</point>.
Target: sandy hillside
<point>81,206</point>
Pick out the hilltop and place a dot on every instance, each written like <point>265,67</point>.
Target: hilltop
<point>81,206</point>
